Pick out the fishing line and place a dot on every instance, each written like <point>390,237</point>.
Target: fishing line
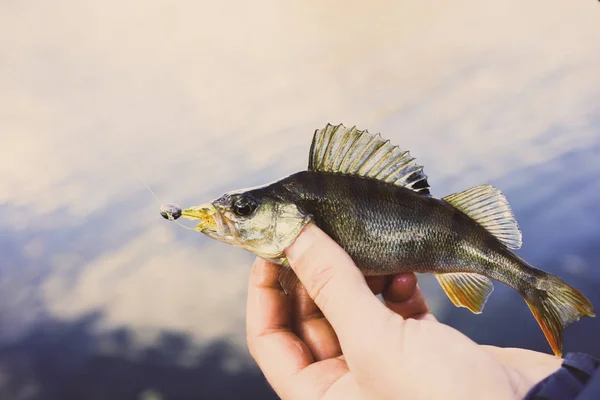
<point>139,176</point>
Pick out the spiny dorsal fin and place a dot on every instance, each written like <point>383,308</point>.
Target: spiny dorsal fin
<point>466,290</point>
<point>348,151</point>
<point>488,207</point>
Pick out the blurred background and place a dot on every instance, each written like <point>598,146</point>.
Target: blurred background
<point>100,298</point>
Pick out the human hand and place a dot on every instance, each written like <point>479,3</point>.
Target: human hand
<point>336,340</point>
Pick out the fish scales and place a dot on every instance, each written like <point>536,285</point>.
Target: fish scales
<point>372,199</point>
<point>388,229</point>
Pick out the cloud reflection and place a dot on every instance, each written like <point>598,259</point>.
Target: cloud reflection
<point>204,97</point>
<point>153,284</point>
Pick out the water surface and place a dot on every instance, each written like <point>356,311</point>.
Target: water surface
<point>102,298</point>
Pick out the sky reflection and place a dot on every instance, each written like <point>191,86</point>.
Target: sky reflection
<point>202,98</point>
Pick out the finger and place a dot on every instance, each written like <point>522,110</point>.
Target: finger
<point>279,353</point>
<point>321,379</point>
<point>400,287</point>
<point>338,288</point>
<point>378,283</point>
<point>313,328</point>
<point>404,297</point>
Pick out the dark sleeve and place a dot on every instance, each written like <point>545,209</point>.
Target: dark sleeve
<point>578,378</point>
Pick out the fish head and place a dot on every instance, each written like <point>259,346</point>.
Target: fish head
<point>256,220</point>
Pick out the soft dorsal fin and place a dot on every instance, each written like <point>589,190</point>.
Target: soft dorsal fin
<point>348,151</point>
<point>466,289</point>
<point>488,207</point>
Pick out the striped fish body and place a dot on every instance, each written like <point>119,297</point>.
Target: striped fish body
<point>389,229</point>
<point>374,201</point>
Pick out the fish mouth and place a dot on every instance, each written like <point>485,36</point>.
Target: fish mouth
<point>210,218</point>
<point>212,222</point>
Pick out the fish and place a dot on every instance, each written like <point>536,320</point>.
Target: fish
<point>374,200</point>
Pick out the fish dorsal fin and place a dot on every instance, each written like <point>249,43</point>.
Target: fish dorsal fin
<point>488,207</point>
<point>349,151</point>
<point>466,289</point>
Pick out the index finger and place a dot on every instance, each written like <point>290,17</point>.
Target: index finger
<point>337,287</point>
<point>279,353</point>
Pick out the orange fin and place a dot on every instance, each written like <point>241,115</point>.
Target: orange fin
<point>466,289</point>
<point>555,306</point>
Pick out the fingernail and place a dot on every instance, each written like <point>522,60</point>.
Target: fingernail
<point>302,242</point>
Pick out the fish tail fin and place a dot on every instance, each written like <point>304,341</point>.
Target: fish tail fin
<point>555,305</point>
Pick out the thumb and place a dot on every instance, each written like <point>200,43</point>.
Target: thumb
<point>336,285</point>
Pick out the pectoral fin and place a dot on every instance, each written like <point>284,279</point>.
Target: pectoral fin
<point>466,289</point>
<point>287,278</point>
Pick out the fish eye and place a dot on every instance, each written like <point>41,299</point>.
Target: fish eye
<point>244,206</point>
